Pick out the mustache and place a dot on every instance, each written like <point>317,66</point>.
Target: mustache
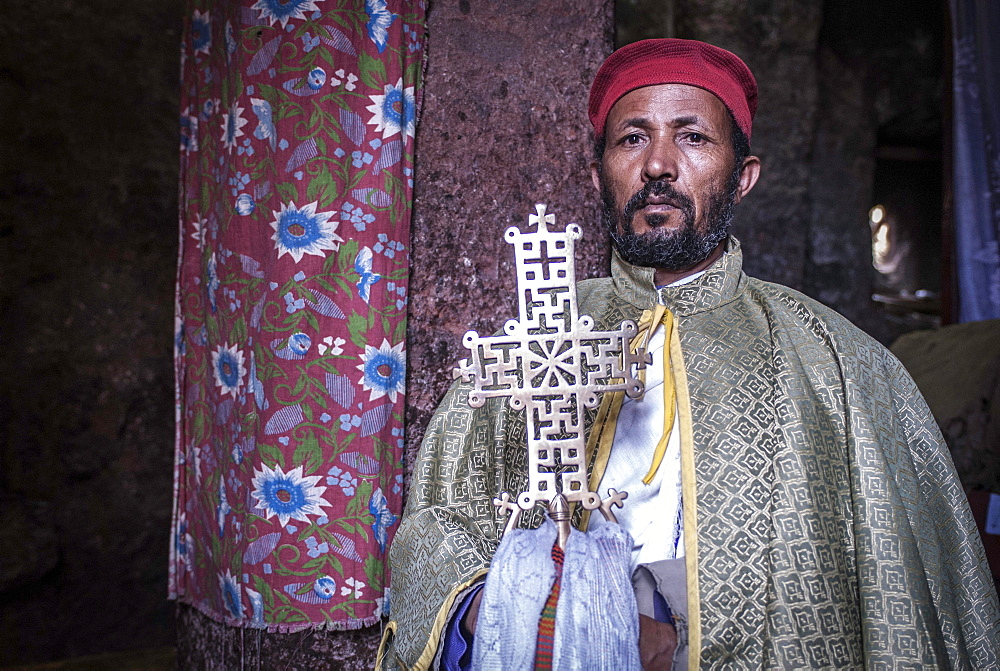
<point>665,192</point>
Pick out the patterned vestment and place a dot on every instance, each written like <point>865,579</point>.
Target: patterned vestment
<point>825,524</point>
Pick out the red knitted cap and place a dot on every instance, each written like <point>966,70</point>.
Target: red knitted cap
<point>673,61</point>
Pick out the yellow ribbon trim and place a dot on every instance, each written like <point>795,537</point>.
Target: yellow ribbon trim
<point>666,317</point>
<point>689,494</point>
<point>603,433</point>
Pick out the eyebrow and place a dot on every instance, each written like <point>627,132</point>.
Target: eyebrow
<point>643,122</point>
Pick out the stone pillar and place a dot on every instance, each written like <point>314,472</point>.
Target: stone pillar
<point>504,126</point>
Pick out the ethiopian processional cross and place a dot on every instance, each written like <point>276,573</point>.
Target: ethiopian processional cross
<point>551,363</point>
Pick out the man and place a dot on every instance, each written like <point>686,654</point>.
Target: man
<point>792,503</point>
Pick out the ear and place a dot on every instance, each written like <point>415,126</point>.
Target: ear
<point>748,176</point>
<point>595,175</point>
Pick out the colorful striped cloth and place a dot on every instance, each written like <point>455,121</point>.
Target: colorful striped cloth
<point>547,620</point>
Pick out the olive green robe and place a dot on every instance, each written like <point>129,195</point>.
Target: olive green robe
<point>825,525</point>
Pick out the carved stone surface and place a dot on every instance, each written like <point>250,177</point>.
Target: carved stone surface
<point>504,126</point>
<point>203,643</point>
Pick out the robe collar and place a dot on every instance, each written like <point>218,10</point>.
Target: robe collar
<point>722,283</point>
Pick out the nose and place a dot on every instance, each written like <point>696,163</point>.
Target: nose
<point>661,160</point>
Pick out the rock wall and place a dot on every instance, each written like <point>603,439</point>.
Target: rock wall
<point>88,230</point>
<point>504,126</point>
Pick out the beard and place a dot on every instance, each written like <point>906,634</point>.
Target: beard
<point>661,247</point>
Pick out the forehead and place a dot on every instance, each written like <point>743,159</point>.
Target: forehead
<point>666,103</point>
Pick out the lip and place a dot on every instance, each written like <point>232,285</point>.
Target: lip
<point>659,208</point>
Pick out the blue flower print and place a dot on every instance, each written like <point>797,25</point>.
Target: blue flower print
<point>230,41</point>
<point>349,421</point>
<point>379,508</point>
<point>413,43</point>
<point>231,596</point>
<point>316,549</point>
<point>387,247</point>
<point>228,365</point>
<point>302,230</point>
<point>395,111</point>
<point>265,121</point>
<point>234,302</point>
<point>309,43</point>
<point>238,182</point>
<point>232,126</point>
<point>366,278</point>
<point>299,343</point>
<point>288,495</point>
<point>189,131</point>
<point>356,215</point>
<point>359,160</point>
<point>201,32</point>
<point>343,479</point>
<point>317,76</point>
<point>245,205</point>
<point>379,20</point>
<point>384,370</point>
<point>283,11</point>
<point>401,301</point>
<point>325,587</point>
<point>292,304</point>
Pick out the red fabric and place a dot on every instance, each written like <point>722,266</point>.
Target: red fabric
<point>673,61</point>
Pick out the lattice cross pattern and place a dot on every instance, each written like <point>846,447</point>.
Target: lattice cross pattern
<point>551,363</point>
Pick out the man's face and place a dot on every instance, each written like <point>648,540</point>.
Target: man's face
<point>667,178</point>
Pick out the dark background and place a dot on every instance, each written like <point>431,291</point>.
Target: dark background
<point>852,114</point>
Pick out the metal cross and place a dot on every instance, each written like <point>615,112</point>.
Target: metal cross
<point>553,364</point>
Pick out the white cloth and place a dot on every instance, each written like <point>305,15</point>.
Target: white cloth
<point>653,513</point>
<point>597,625</point>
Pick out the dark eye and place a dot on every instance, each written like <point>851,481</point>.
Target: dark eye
<point>696,138</point>
<point>632,139</point>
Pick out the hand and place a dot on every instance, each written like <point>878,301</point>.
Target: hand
<point>472,615</point>
<point>657,642</point>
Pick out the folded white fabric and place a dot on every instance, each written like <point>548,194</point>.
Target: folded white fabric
<point>597,623</point>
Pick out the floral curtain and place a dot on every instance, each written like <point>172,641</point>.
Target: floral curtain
<point>975,26</point>
<point>297,130</point>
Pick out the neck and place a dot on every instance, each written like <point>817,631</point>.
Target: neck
<point>665,276</point>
